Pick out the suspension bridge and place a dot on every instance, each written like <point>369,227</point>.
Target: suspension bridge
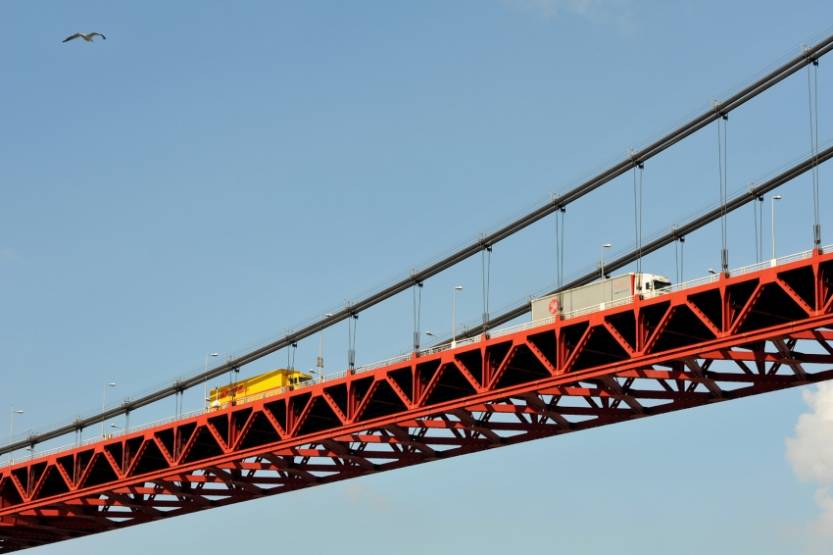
<point>732,334</point>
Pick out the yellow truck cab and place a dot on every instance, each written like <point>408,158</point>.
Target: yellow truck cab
<point>264,385</point>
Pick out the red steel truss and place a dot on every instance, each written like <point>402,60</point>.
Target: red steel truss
<point>736,336</point>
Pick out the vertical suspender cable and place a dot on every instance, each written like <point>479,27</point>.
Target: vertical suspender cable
<point>485,272</point>
<point>417,312</point>
<point>756,228</point>
<point>560,216</point>
<point>722,139</point>
<point>678,258</point>
<point>352,322</point>
<point>641,210</point>
<point>637,218</point>
<point>677,264</point>
<point>761,226</point>
<point>813,105</point>
<point>559,245</point>
<point>290,356</point>
<point>636,229</point>
<point>556,237</point>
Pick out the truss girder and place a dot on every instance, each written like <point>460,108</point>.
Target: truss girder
<point>734,337</point>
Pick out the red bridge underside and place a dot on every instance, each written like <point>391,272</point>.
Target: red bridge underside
<point>734,337</point>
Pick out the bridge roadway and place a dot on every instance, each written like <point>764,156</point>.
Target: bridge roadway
<point>744,334</point>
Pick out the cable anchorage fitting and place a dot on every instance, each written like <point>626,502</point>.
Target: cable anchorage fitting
<point>717,106</point>
<point>555,200</point>
<point>810,55</point>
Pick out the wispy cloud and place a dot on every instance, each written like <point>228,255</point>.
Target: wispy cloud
<point>810,452</point>
<point>611,12</point>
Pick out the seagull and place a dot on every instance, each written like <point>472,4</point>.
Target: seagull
<point>87,37</point>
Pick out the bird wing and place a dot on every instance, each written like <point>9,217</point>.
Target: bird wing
<point>97,35</point>
<point>71,37</point>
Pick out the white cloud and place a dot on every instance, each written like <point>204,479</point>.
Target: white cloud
<point>823,526</point>
<point>810,452</point>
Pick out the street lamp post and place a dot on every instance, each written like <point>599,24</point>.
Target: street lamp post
<point>205,371</point>
<point>772,221</point>
<point>319,360</point>
<point>602,259</point>
<point>107,386</point>
<point>14,412</point>
<point>454,292</point>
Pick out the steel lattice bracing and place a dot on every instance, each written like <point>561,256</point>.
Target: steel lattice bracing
<point>733,337</point>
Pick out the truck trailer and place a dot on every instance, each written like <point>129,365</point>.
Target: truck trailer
<point>597,295</point>
<point>263,385</point>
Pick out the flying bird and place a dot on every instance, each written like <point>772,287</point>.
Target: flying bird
<point>87,37</point>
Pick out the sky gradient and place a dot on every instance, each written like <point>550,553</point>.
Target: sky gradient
<point>214,174</point>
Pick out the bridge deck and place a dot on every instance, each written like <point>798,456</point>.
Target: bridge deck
<point>736,336</point>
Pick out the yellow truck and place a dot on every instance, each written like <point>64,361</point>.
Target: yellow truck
<point>264,385</point>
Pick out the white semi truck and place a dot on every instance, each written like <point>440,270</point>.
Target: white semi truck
<point>598,295</point>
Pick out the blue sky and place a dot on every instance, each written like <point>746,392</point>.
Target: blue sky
<point>214,174</point>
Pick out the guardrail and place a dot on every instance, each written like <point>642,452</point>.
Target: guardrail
<point>97,438</point>
<point>499,332</point>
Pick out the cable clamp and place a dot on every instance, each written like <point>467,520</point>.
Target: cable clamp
<point>811,57</point>
<point>718,109</point>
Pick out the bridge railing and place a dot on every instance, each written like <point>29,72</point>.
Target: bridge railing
<point>777,261</point>
<point>95,439</point>
<point>499,332</point>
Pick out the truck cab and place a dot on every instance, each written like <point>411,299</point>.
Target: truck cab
<point>651,285</point>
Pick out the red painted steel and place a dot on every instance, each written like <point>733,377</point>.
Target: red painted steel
<point>736,336</point>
